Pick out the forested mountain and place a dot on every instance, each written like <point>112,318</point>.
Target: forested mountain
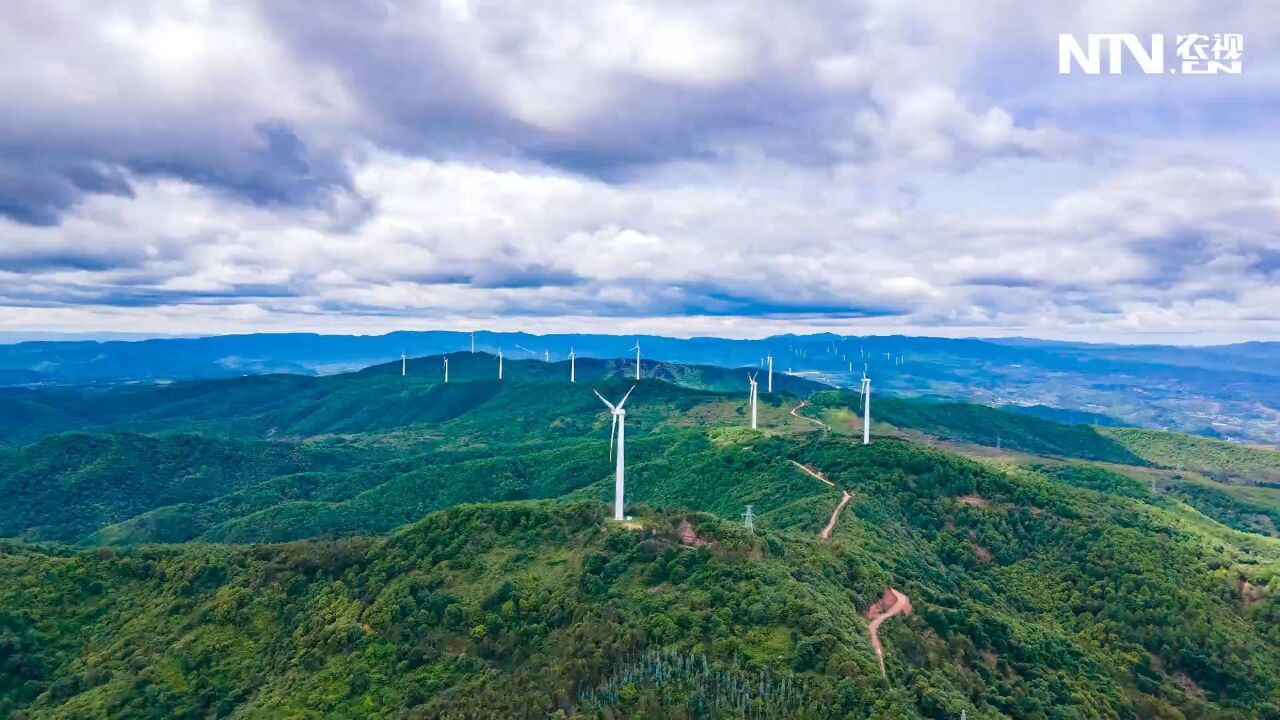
<point>448,554</point>
<point>1230,391</point>
<point>375,399</point>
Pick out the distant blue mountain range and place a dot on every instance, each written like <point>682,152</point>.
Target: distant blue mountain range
<point>1228,391</point>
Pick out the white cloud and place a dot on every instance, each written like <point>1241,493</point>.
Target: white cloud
<point>445,239</point>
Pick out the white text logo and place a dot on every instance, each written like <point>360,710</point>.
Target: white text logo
<point>1197,54</point>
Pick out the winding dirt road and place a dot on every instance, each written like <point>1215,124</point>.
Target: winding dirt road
<point>890,604</point>
<point>835,515</point>
<point>810,471</point>
<point>844,499</point>
<point>802,417</point>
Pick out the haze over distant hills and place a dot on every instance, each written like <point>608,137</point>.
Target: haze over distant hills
<point>1228,391</point>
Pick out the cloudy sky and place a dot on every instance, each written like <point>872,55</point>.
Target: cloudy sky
<point>732,168</point>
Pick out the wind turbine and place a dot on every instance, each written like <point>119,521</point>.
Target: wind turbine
<point>404,365</point>
<point>499,363</point>
<point>637,349</point>
<point>546,356</point>
<point>473,342</point>
<point>572,367</point>
<point>752,379</point>
<point>865,391</point>
<point>446,369</point>
<point>618,426</point>
<point>770,388</point>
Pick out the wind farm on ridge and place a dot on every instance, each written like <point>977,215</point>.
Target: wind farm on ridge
<point>617,411</point>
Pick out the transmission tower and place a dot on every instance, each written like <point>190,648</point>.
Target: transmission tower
<point>749,519</point>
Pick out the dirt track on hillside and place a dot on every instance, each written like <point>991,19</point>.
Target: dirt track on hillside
<point>802,417</point>
<point>890,604</point>
<point>835,515</point>
<point>844,499</point>
<point>815,473</point>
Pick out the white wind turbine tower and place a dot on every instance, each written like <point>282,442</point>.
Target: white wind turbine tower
<point>404,366</point>
<point>865,391</point>
<point>754,393</point>
<point>770,386</point>
<point>446,369</point>
<point>499,363</point>
<point>572,367</point>
<point>546,356</point>
<point>473,342</point>
<point>618,426</point>
<point>637,349</point>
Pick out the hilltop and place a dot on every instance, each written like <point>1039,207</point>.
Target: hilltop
<point>374,399</point>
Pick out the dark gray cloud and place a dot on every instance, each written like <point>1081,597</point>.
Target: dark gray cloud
<point>36,188</point>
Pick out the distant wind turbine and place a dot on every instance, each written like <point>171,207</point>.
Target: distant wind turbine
<point>446,369</point>
<point>546,356</point>
<point>618,427</point>
<point>866,408</point>
<point>770,386</point>
<point>404,365</point>
<point>637,349</point>
<point>499,363</point>
<point>473,342</point>
<point>572,367</point>
<point>752,379</point>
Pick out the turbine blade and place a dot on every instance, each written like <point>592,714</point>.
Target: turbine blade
<point>606,402</point>
<point>613,430</point>
<point>624,397</point>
